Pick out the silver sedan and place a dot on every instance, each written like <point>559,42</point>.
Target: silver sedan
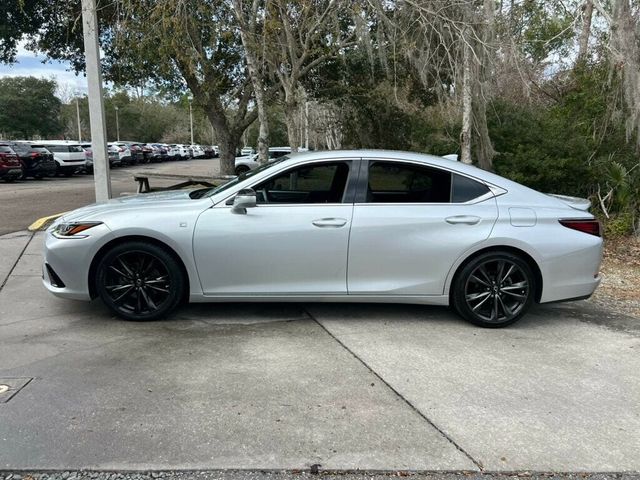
<point>336,226</point>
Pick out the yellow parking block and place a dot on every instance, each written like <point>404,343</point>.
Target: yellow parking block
<point>42,223</point>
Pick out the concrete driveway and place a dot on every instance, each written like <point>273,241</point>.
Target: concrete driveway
<point>289,386</point>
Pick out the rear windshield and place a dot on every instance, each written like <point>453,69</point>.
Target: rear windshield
<point>20,147</point>
<point>39,148</point>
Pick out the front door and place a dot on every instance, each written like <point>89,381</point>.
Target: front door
<point>294,241</point>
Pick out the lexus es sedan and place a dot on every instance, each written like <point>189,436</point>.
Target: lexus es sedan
<point>336,226</point>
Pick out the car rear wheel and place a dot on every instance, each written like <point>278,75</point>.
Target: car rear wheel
<point>240,169</point>
<point>140,281</point>
<point>494,289</point>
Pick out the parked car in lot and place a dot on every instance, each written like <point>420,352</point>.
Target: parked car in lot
<point>198,151</point>
<point>114,153</point>
<point>121,150</point>
<point>249,162</point>
<point>10,166</point>
<point>137,155</point>
<point>340,226</point>
<point>179,152</point>
<point>209,151</point>
<point>160,152</point>
<point>88,153</point>
<point>68,155</point>
<point>36,160</point>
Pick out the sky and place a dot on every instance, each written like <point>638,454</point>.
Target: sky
<point>31,64</point>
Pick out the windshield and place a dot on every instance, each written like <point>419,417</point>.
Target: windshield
<point>208,192</point>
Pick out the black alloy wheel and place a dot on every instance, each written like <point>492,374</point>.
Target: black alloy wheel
<point>140,281</point>
<point>494,289</point>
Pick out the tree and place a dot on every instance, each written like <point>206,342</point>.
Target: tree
<point>29,107</point>
<point>304,34</point>
<point>251,19</point>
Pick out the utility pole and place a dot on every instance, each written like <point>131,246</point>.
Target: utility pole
<point>117,125</point>
<point>78,118</point>
<point>96,101</point>
<point>191,121</point>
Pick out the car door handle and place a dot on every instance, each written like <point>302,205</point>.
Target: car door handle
<point>464,219</point>
<point>330,222</point>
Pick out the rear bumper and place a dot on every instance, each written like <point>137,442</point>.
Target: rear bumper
<point>572,275</point>
<point>10,172</point>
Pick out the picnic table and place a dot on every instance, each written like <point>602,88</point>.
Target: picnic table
<point>186,180</point>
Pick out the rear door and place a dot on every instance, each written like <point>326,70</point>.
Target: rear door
<point>411,222</point>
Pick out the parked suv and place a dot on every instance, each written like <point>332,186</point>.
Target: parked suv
<point>88,154</point>
<point>10,167</point>
<point>121,151</point>
<point>36,160</point>
<point>69,156</point>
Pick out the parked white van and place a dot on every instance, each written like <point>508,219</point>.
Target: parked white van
<point>69,155</point>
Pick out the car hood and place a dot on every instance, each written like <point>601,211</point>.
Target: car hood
<point>166,199</point>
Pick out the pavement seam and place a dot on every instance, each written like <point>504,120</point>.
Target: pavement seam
<point>15,264</point>
<point>405,400</point>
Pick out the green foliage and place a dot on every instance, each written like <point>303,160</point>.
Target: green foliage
<point>29,107</point>
<point>619,225</point>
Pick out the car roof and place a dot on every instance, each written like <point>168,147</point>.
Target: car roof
<point>396,155</point>
<point>59,142</point>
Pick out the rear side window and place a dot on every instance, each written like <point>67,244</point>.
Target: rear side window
<point>5,149</point>
<point>395,182</point>
<point>466,189</point>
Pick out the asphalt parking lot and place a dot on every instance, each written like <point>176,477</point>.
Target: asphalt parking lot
<point>27,200</point>
<point>376,388</point>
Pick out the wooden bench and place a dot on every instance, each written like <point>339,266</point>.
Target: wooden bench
<point>186,180</point>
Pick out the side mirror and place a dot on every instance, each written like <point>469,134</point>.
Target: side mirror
<point>245,198</point>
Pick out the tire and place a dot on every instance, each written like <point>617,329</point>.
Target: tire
<point>493,290</point>
<point>240,169</point>
<point>140,281</point>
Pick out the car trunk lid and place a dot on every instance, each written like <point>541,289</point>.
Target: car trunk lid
<point>576,203</point>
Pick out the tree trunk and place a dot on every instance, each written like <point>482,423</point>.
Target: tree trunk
<point>291,111</point>
<point>258,87</point>
<point>467,110</point>
<point>585,33</point>
<point>227,155</point>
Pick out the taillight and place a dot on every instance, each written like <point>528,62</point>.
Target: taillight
<point>592,227</point>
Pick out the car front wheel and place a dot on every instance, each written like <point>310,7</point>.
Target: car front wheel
<point>139,281</point>
<point>494,289</point>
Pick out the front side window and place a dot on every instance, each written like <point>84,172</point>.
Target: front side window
<point>395,182</point>
<point>320,183</point>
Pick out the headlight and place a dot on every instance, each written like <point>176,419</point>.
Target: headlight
<point>72,229</point>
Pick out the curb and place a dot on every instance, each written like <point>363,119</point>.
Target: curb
<point>43,223</point>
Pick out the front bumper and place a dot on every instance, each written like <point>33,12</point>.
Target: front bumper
<point>67,261</point>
